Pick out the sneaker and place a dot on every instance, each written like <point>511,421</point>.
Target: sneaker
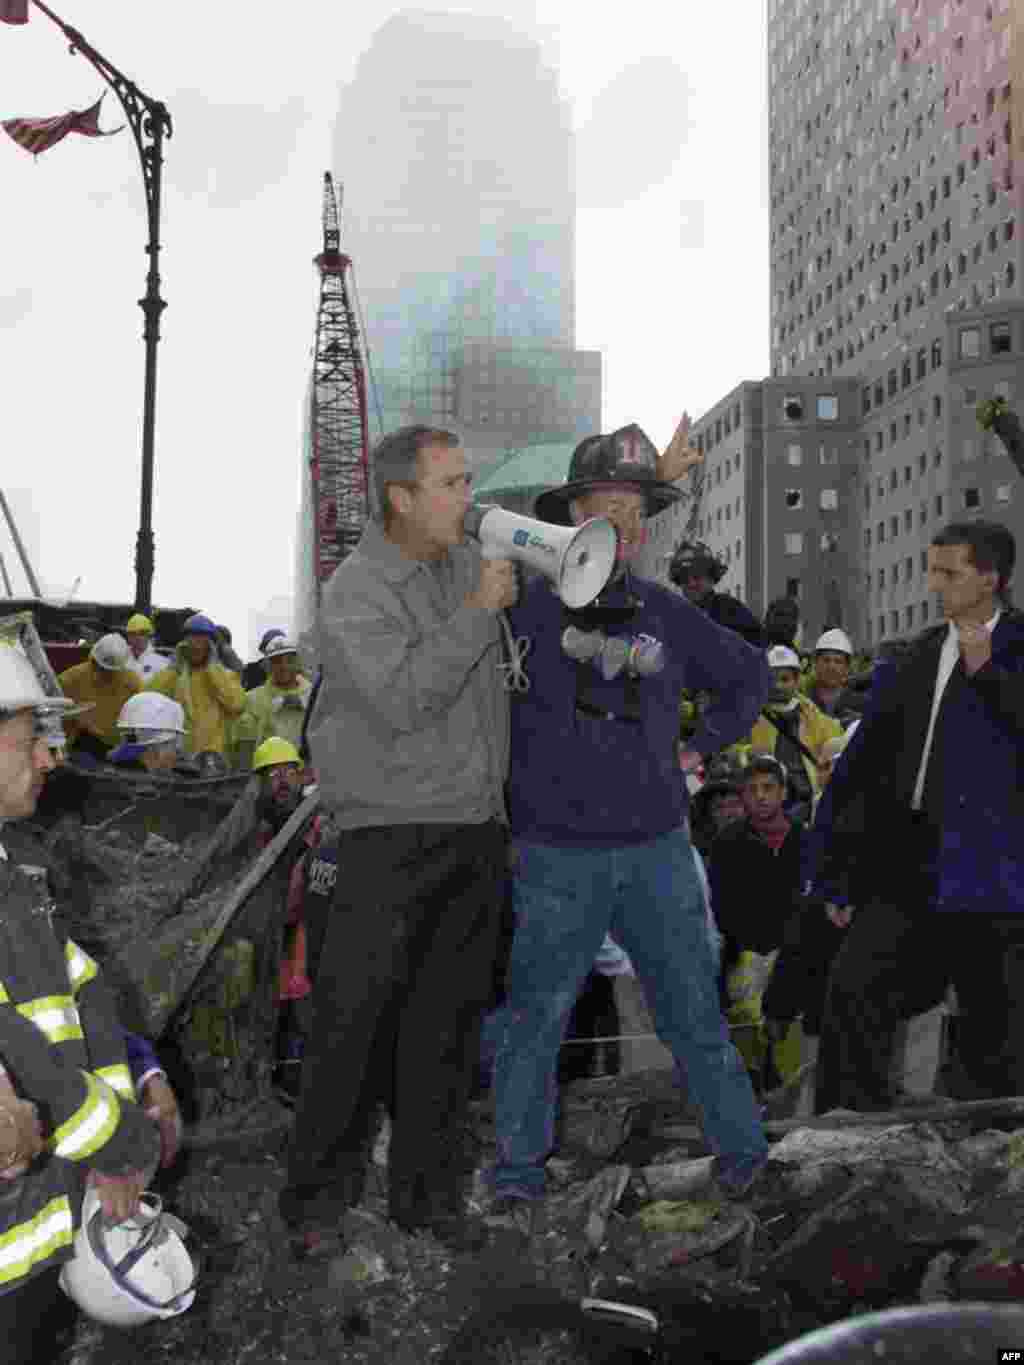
<point>737,1185</point>
<point>513,1213</point>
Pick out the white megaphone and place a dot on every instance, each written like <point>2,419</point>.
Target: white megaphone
<point>578,559</point>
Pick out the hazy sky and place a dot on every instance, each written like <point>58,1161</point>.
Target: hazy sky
<point>672,271</point>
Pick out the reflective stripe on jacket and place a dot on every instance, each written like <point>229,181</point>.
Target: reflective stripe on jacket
<point>63,1049</point>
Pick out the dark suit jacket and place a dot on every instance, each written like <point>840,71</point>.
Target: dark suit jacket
<point>981,853</point>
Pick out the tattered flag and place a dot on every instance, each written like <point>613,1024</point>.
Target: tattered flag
<point>13,11</point>
<point>40,134</point>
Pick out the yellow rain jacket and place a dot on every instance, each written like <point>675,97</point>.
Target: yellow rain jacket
<point>272,710</point>
<point>211,698</point>
<point>815,728</point>
<point>109,690</point>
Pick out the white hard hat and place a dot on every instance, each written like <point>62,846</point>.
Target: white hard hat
<point>21,690</point>
<point>151,711</point>
<point>781,656</point>
<point>111,652</point>
<point>837,641</point>
<point>133,1272</point>
<point>280,645</point>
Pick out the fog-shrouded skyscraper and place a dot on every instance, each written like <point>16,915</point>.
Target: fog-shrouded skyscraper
<point>454,148</point>
<point>896,145</point>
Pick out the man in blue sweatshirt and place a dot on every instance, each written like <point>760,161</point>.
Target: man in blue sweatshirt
<point>598,811</point>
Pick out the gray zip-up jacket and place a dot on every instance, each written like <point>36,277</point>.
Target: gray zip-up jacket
<point>412,721</point>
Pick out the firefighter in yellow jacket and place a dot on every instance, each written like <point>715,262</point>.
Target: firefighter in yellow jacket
<point>794,730</point>
<point>67,1108</point>
<point>210,694</point>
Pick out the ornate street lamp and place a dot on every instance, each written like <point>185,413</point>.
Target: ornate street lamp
<point>150,124</point>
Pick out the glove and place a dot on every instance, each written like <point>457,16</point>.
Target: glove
<point>162,1107</point>
<point>21,1133</point>
<point>118,1194</point>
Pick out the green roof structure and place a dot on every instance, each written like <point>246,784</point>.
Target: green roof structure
<point>523,474</point>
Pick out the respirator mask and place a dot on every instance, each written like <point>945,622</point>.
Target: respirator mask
<point>634,656</point>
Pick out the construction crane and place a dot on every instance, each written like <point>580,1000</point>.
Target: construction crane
<point>336,496</point>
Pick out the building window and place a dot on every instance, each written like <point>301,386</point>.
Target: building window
<point>1003,493</point>
<point>970,343</point>
<point>879,394</point>
<point>793,408</point>
<point>936,354</point>
<point>894,527</point>
<point>893,382</point>
<point>829,500</point>
<point>866,399</point>
<point>794,499</point>
<point>909,617</point>
<point>828,407</point>
<point>794,543</point>
<point>793,588</point>
<point>894,622</point>
<point>794,455</point>
<point>937,405</point>
<point>938,504</point>
<point>908,520</point>
<point>999,338</point>
<point>881,628</point>
<point>972,499</point>
<point>908,568</point>
<point>881,578</point>
<point>924,613</point>
<point>880,533</point>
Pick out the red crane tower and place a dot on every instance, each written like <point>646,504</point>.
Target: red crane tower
<point>338,426</point>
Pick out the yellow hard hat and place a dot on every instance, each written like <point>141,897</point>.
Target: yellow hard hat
<point>274,750</point>
<point>139,625</point>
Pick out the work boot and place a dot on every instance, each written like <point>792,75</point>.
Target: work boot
<point>513,1213</point>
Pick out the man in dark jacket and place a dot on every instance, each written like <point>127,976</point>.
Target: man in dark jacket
<point>598,808</point>
<point>934,782</point>
<point>62,1050</point>
<point>696,569</point>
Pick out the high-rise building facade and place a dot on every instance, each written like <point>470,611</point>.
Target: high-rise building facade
<point>896,132</point>
<point>455,149</point>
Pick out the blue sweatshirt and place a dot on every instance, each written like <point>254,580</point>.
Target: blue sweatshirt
<point>580,780</point>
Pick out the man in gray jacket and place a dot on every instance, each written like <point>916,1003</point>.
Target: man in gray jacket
<point>410,740</point>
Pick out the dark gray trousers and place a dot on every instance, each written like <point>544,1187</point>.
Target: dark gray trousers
<point>405,973</point>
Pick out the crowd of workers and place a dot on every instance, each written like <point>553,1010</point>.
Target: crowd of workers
<point>851,850</point>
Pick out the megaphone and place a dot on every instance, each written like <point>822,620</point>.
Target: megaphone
<point>577,559</point>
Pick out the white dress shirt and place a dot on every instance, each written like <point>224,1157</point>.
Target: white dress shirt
<point>947,663</point>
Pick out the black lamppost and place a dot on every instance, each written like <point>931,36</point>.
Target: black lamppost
<point>150,124</point>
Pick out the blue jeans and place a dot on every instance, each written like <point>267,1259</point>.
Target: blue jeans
<point>650,899</point>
